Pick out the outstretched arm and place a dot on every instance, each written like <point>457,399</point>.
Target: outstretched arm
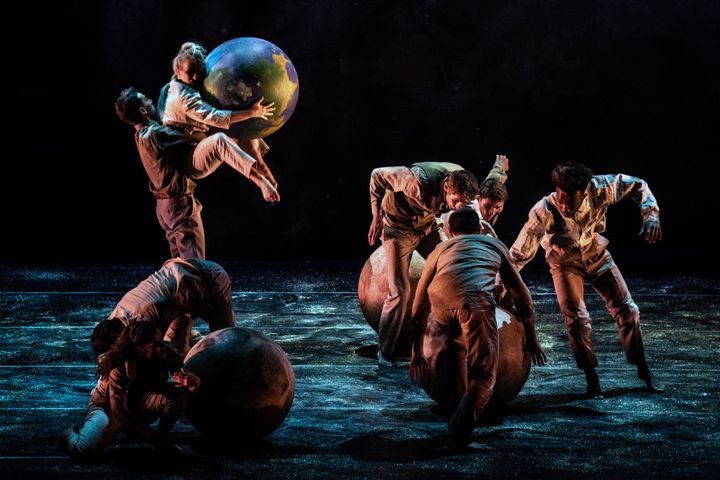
<point>613,188</point>
<point>258,110</point>
<point>201,111</point>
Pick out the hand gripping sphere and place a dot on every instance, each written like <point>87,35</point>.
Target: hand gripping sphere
<point>247,385</point>
<point>241,71</point>
<point>514,364</point>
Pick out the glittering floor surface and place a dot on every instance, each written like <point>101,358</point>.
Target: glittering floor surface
<point>352,420</point>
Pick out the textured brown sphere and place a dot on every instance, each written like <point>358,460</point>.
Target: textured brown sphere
<point>247,385</point>
<point>373,288</point>
<point>440,382</point>
<point>514,364</point>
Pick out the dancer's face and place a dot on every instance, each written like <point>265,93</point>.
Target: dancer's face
<point>568,202</point>
<point>147,104</point>
<point>454,199</point>
<point>489,208</point>
<point>190,73</point>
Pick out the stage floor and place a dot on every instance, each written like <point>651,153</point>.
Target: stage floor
<point>352,420</point>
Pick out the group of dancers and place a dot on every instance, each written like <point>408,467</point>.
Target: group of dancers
<point>435,208</point>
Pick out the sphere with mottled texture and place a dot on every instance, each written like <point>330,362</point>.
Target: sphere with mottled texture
<point>247,385</point>
<point>373,289</point>
<point>514,364</point>
<point>440,381</point>
<point>240,71</point>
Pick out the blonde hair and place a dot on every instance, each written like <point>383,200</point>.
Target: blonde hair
<point>190,52</point>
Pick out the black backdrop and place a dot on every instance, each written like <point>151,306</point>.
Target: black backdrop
<point>622,86</point>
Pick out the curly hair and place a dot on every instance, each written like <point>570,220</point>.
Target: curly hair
<point>128,105</point>
<point>571,177</point>
<point>462,182</point>
<point>493,189</point>
<point>134,336</point>
<point>104,335</point>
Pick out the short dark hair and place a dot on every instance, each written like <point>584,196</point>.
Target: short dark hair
<point>462,182</point>
<point>571,177</point>
<point>464,220</point>
<point>104,335</point>
<point>127,106</point>
<point>493,189</point>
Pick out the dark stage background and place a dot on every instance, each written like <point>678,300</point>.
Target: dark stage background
<point>623,86</point>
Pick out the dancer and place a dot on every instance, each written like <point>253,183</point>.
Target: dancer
<point>568,223</point>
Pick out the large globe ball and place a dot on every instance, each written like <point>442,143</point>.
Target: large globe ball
<point>247,385</point>
<point>514,362</point>
<point>240,71</point>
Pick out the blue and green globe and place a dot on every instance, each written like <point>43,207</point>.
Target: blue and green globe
<point>242,70</point>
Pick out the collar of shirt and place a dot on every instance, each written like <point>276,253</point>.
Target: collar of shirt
<point>580,212</point>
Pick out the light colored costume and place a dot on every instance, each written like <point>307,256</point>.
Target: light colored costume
<point>411,198</point>
<point>186,110</point>
<point>457,286</point>
<point>497,172</point>
<point>127,400</point>
<point>575,251</point>
<point>164,152</point>
<point>175,295</point>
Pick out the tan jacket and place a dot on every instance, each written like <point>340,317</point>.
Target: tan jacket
<point>185,109</point>
<point>576,240</point>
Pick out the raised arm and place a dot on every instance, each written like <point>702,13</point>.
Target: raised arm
<point>499,169</point>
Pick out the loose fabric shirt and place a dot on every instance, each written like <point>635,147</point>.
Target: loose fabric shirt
<point>164,153</point>
<point>185,109</point>
<point>576,240</point>
<point>410,196</point>
<point>169,293</point>
<point>460,273</point>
